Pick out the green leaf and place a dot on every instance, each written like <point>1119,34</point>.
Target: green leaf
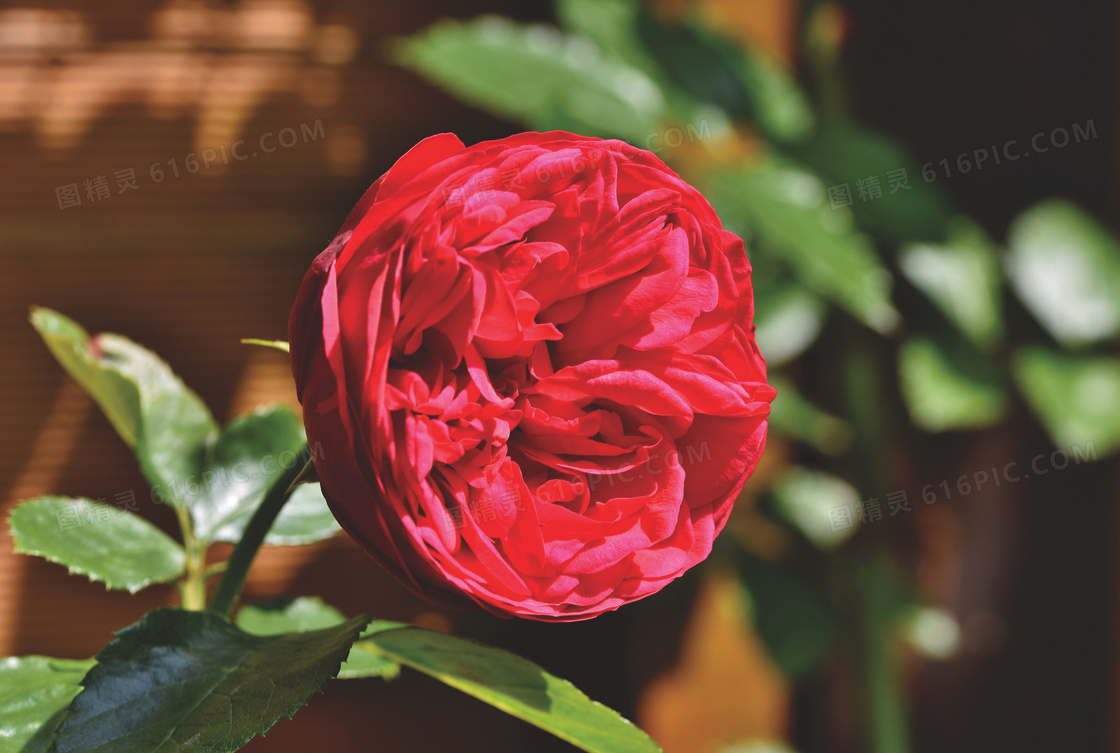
<point>248,457</point>
<point>813,502</point>
<point>34,691</point>
<point>757,746</point>
<point>843,152</point>
<point>190,682</point>
<point>962,277</point>
<point>537,75</point>
<point>1065,266</point>
<point>288,616</point>
<point>281,345</point>
<point>309,613</point>
<point>246,460</point>
<point>362,664</point>
<point>793,416</point>
<point>612,24</point>
<point>609,23</point>
<point>792,618</point>
<point>70,345</point>
<point>107,545</point>
<point>149,406</point>
<point>785,207</point>
<point>776,103</point>
<point>175,425</point>
<point>788,320</point>
<point>740,79</point>
<point>947,388</point>
<point>1076,398</point>
<point>511,684</point>
<point>305,519</point>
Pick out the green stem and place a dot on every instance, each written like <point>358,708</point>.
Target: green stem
<point>192,589</point>
<point>879,672</point>
<point>237,569</point>
<point>823,40</point>
<point>882,692</point>
<point>881,687</point>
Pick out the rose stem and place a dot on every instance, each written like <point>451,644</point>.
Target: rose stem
<point>192,589</point>
<point>237,568</point>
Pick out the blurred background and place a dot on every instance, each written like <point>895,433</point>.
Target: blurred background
<point>924,561</point>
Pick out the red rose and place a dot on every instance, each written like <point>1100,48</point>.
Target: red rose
<point>531,367</point>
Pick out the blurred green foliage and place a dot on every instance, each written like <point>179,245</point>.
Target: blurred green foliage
<point>779,164</point>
